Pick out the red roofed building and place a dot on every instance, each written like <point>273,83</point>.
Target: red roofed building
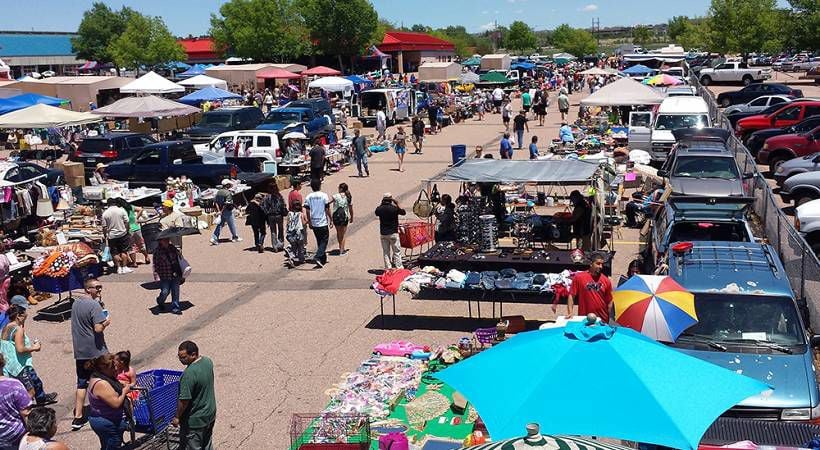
<point>410,50</point>
<point>200,50</point>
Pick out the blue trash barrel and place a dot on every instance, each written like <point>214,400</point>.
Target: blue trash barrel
<point>459,152</point>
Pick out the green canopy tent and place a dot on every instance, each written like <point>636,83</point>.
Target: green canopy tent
<point>493,78</point>
<point>475,61</point>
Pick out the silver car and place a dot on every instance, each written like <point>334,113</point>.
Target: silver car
<point>802,188</point>
<point>759,104</point>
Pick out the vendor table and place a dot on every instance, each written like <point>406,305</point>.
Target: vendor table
<point>559,260</point>
<point>293,169</point>
<point>136,195</point>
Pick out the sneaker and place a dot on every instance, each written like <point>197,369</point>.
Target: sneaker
<point>318,265</point>
<point>78,423</point>
<point>176,311</point>
<point>48,399</point>
<point>119,270</point>
<point>214,242</point>
<point>236,239</point>
<point>127,270</point>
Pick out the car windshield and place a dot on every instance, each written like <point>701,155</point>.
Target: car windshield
<point>215,120</point>
<point>283,117</point>
<point>732,318</point>
<point>675,121</point>
<point>708,231</point>
<point>705,167</point>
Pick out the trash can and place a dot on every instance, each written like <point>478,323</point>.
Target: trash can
<point>459,152</point>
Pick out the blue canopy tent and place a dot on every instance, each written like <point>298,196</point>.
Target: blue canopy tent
<point>522,65</point>
<point>207,94</point>
<point>21,101</point>
<point>359,83</point>
<point>638,69</point>
<point>196,69</point>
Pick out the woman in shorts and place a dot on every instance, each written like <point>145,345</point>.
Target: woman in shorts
<point>400,144</point>
<point>136,243</point>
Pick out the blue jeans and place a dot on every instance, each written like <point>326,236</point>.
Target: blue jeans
<point>520,135</point>
<point>225,218</point>
<point>109,432</point>
<point>322,235</point>
<point>166,287</point>
<point>361,160</point>
<point>28,376</point>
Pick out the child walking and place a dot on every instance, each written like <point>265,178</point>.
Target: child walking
<point>296,234</point>
<point>258,221</point>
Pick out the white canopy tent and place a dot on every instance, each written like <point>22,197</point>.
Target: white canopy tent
<point>595,71</point>
<point>151,83</point>
<point>201,81</point>
<point>624,92</point>
<point>145,106</point>
<point>333,84</point>
<point>45,116</point>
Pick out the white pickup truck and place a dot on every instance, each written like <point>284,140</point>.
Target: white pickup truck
<point>734,72</point>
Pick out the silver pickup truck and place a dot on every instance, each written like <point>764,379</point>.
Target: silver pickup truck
<point>734,72</point>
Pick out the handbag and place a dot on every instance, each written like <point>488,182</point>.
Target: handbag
<point>106,254</point>
<point>423,207</point>
<point>435,197</point>
<point>184,266</point>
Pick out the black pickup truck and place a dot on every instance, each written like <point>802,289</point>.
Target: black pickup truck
<point>156,162</point>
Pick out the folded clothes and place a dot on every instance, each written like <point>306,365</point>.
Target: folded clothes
<point>504,283</point>
<point>472,280</point>
<point>539,280</point>
<point>508,273</point>
<point>440,282</point>
<point>490,274</point>
<point>455,275</point>
<point>450,284</point>
<point>487,283</point>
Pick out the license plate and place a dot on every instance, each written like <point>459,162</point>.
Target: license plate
<point>91,160</point>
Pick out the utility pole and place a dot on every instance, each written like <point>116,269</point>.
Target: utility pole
<point>596,29</point>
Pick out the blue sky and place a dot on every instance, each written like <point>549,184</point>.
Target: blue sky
<point>192,16</point>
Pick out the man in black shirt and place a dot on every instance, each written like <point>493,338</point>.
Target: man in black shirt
<point>388,213</point>
<point>418,134</point>
<point>519,124</point>
<point>317,162</point>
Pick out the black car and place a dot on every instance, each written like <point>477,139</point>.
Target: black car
<point>756,140</point>
<point>23,171</point>
<point>754,91</point>
<point>108,148</point>
<point>226,119</point>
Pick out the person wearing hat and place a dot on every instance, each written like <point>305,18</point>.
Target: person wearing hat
<point>388,213</point>
<point>15,332</point>
<point>99,176</point>
<point>256,218</point>
<point>224,206</point>
<point>168,271</point>
<point>17,300</point>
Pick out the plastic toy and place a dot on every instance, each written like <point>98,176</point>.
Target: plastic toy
<point>398,348</point>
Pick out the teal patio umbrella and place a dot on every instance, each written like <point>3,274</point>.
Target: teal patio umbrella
<point>597,381</point>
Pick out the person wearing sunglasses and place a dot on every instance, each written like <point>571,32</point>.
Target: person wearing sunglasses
<point>88,323</point>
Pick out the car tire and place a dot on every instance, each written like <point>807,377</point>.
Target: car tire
<point>725,103</point>
<point>705,80</point>
<point>747,80</point>
<point>775,162</point>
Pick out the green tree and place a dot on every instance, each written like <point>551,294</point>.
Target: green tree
<point>145,41</point>
<point>262,30</point>
<point>803,18</point>
<point>521,37</point>
<point>743,26</point>
<point>340,27</point>
<point>641,35</point>
<point>676,26</point>
<point>577,42</point>
<point>382,26</point>
<point>561,35</point>
<point>419,28</point>
<point>695,35</point>
<point>100,26</point>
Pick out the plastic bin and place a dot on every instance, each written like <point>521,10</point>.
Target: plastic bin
<point>157,405</point>
<point>459,152</point>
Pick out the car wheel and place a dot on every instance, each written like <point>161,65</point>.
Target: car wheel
<point>747,80</point>
<point>705,80</point>
<point>776,162</point>
<point>726,103</point>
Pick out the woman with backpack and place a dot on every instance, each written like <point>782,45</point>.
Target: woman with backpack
<point>275,212</point>
<point>342,214</point>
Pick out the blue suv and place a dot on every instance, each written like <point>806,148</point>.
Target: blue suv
<point>750,323</point>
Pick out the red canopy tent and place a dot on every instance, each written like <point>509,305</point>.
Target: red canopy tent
<point>276,74</point>
<point>321,71</point>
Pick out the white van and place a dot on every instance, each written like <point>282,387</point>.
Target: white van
<point>398,104</point>
<point>255,144</point>
<point>674,113</point>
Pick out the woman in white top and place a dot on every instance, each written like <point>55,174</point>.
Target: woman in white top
<point>99,175</point>
<point>42,426</point>
<point>342,214</point>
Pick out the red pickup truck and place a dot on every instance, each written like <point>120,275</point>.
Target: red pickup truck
<point>779,149</point>
<point>788,115</point>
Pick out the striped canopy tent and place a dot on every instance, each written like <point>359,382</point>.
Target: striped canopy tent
<point>542,442</point>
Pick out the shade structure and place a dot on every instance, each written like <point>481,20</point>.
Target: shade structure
<point>554,171</point>
<point>624,92</point>
<point>638,69</point>
<point>655,306</point>
<point>474,61</point>
<point>201,81</point>
<point>151,83</point>
<point>663,79</point>
<point>320,71</point>
<point>208,94</point>
<point>648,392</point>
<point>470,77</point>
<point>494,78</point>
<point>595,71</point>
<point>275,73</point>
<point>333,84</point>
<point>196,69</point>
<point>21,101</point>
<point>146,106</point>
<point>45,116</point>
<point>541,442</point>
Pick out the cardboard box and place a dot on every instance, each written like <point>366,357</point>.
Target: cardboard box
<point>282,182</point>
<point>73,169</point>
<point>75,181</point>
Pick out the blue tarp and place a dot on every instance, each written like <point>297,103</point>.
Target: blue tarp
<point>197,69</point>
<point>522,65</point>
<point>207,94</point>
<point>638,69</point>
<point>358,80</point>
<point>21,101</point>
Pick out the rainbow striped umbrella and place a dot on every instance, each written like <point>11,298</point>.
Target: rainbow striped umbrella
<point>655,306</point>
<point>662,79</point>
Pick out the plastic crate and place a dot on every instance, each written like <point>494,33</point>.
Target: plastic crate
<point>157,405</point>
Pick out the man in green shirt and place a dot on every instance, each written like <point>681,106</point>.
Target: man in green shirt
<point>196,407</point>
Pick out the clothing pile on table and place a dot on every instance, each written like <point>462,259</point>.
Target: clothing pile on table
<point>490,280</point>
<point>375,385</point>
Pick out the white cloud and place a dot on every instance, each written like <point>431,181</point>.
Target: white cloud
<point>488,26</point>
<point>485,12</point>
<point>589,8</point>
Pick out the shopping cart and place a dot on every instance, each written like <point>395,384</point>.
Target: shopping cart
<point>154,409</point>
<point>416,235</point>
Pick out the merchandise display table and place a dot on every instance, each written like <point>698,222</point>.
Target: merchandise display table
<point>499,296</point>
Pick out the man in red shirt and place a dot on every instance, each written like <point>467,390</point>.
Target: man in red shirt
<point>592,289</point>
<point>295,194</point>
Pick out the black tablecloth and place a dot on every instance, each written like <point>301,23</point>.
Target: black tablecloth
<point>481,295</point>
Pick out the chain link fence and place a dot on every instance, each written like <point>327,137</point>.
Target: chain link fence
<point>801,265</point>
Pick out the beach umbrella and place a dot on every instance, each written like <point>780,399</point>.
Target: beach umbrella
<point>174,232</point>
<point>612,382</point>
<point>663,79</point>
<point>542,442</point>
<point>655,306</point>
<point>294,135</point>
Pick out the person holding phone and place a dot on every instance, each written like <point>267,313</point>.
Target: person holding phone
<point>388,213</point>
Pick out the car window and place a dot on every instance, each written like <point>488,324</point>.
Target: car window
<point>812,111</point>
<point>12,174</point>
<point>147,140</point>
<point>725,66</point>
<point>263,141</point>
<point>705,167</point>
<point>674,121</point>
<point>150,157</point>
<point>118,143</point>
<point>759,102</point>
<point>777,100</point>
<point>184,152</point>
<point>789,113</point>
<point>223,143</point>
<point>743,66</point>
<point>215,120</point>
<point>708,231</point>
<point>28,172</point>
<point>135,142</point>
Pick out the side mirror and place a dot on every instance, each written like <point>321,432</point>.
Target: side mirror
<point>814,341</point>
<point>748,176</point>
<point>816,159</point>
<point>177,162</point>
<point>663,173</point>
